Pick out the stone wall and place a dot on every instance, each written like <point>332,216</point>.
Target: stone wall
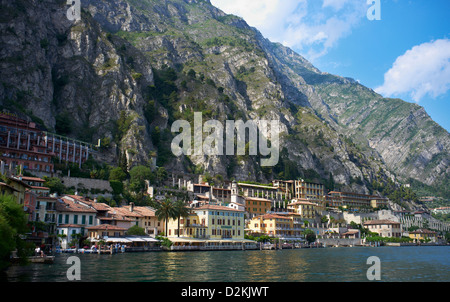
<point>86,183</point>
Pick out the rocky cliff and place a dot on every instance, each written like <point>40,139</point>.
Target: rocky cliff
<point>129,68</point>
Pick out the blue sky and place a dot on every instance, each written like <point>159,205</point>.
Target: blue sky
<point>404,55</point>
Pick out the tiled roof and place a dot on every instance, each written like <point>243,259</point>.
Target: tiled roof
<point>99,206</point>
<point>215,207</point>
<point>422,231</point>
<point>66,205</point>
<point>70,226</point>
<point>257,199</point>
<point>271,216</point>
<point>29,178</point>
<point>301,201</point>
<point>106,227</point>
<point>145,211</point>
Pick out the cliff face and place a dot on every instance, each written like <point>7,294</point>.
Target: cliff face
<point>128,69</point>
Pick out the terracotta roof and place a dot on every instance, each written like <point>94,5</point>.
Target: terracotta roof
<point>145,211</point>
<point>29,178</point>
<point>79,198</point>
<point>350,232</point>
<point>271,216</point>
<point>70,226</point>
<point>99,206</point>
<point>66,205</point>
<point>40,188</point>
<point>106,227</point>
<point>215,207</point>
<point>257,199</point>
<point>302,201</point>
<point>422,231</point>
<point>125,211</point>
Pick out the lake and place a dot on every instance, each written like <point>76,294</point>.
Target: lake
<point>397,264</point>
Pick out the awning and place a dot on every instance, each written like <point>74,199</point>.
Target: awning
<point>149,239</point>
<point>121,240</point>
<point>135,239</point>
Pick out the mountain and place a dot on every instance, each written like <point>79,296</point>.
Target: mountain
<point>130,68</point>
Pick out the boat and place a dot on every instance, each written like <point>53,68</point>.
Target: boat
<point>44,259</point>
<point>36,259</point>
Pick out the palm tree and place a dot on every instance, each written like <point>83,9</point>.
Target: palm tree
<point>166,210</point>
<point>181,211</point>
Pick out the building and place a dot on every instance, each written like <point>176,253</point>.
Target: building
<point>287,187</point>
<point>212,222</point>
<point>24,146</point>
<point>143,217</point>
<point>255,206</point>
<point>311,191</point>
<point>103,231</point>
<point>20,188</point>
<point>355,200</point>
<point>21,145</point>
<point>275,225</point>
<point>384,228</point>
<point>304,208</point>
<point>44,205</point>
<point>423,235</point>
<point>73,217</point>
<point>441,210</point>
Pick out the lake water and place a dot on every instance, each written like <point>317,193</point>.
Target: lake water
<point>398,264</point>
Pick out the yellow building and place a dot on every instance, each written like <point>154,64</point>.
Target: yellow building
<point>105,231</point>
<point>355,200</point>
<point>384,228</point>
<point>273,225</point>
<point>311,191</point>
<point>423,234</point>
<point>304,208</point>
<point>20,188</point>
<point>210,222</point>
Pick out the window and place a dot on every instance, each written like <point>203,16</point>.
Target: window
<point>60,216</point>
<point>75,219</point>
<point>83,219</point>
<point>90,219</point>
<point>66,219</point>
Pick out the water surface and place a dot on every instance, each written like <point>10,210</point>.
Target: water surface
<point>398,264</point>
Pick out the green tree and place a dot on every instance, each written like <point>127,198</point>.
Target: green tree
<point>309,235</point>
<point>13,224</point>
<point>117,186</point>
<point>55,185</point>
<point>136,230</point>
<point>181,211</point>
<point>161,174</point>
<point>165,211</point>
<point>117,174</point>
<point>138,176</point>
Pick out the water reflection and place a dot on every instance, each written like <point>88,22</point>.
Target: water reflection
<point>330,264</point>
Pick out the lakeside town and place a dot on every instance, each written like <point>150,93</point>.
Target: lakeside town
<point>186,211</point>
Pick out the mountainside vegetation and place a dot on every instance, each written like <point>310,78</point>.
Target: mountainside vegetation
<point>128,69</point>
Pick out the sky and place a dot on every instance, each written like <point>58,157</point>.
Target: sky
<point>399,48</point>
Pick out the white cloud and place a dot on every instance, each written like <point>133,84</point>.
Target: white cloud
<point>336,4</point>
<point>422,70</point>
<point>308,26</point>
